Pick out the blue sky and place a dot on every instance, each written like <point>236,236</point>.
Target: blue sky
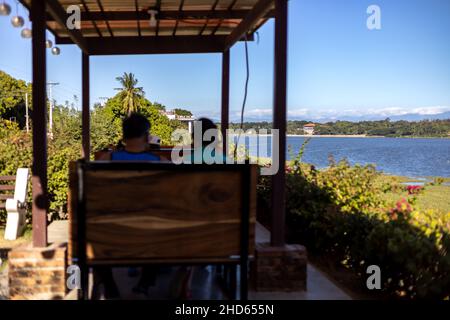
<point>336,67</point>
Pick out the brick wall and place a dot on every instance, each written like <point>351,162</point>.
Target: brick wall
<point>37,273</point>
<point>279,268</point>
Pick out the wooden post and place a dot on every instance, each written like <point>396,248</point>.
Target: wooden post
<point>85,126</point>
<point>224,122</point>
<point>39,179</point>
<point>279,123</point>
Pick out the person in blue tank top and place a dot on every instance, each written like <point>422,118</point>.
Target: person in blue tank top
<point>136,133</point>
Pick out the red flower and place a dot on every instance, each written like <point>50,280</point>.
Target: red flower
<point>402,209</point>
<point>413,189</point>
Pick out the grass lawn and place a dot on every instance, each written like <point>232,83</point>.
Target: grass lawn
<point>6,244</point>
<point>436,197</point>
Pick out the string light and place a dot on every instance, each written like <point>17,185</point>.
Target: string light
<point>5,9</point>
<point>17,21</point>
<point>55,51</point>
<point>25,33</point>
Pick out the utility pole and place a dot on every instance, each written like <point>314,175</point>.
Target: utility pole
<point>26,112</point>
<point>50,116</point>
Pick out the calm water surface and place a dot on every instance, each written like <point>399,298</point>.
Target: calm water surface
<point>399,156</point>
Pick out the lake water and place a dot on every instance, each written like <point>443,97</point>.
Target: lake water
<point>399,156</point>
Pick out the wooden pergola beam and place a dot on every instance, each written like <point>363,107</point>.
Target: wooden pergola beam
<point>85,111</point>
<point>60,16</point>
<point>166,15</point>
<point>225,108</point>
<point>258,12</point>
<point>39,117</point>
<point>150,44</point>
<point>279,123</point>
<point>87,12</point>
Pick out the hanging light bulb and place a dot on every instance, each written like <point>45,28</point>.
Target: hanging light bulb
<point>26,33</point>
<point>55,51</point>
<point>17,21</point>
<point>48,44</point>
<point>153,14</point>
<point>5,9</point>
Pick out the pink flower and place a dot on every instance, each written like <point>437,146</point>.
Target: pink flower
<point>413,189</point>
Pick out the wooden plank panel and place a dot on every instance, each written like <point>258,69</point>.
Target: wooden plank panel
<point>7,178</point>
<point>6,196</point>
<point>6,187</point>
<point>168,215</point>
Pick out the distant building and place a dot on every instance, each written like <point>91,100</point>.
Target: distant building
<point>173,116</point>
<point>309,128</point>
<point>169,114</point>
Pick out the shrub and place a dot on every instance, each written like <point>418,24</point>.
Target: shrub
<point>339,213</point>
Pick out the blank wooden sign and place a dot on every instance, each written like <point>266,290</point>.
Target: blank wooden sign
<point>166,215</point>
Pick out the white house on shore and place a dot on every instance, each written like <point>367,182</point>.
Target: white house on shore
<point>309,128</point>
<point>173,116</point>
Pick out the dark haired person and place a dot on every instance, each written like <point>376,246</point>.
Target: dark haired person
<point>205,143</point>
<point>135,143</point>
<point>135,147</point>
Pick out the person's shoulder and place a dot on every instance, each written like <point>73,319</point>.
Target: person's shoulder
<point>154,156</point>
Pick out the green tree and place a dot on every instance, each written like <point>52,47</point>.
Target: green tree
<point>182,112</point>
<point>130,95</point>
<point>12,98</point>
<point>159,106</point>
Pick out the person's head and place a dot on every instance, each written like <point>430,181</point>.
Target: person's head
<point>135,129</point>
<point>206,124</point>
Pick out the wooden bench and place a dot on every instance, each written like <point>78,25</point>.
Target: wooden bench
<point>14,203</point>
<point>139,213</point>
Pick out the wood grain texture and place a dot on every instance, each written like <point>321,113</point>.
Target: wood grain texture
<point>6,187</point>
<point>7,178</point>
<point>163,216</point>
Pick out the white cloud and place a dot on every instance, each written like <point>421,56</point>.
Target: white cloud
<point>257,112</point>
<point>265,114</point>
<point>369,113</point>
<point>431,110</point>
<point>298,112</point>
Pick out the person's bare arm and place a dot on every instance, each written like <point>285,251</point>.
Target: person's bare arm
<point>103,156</point>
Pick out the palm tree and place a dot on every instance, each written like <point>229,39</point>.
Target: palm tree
<point>129,94</point>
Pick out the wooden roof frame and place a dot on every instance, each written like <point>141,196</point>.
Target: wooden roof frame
<point>122,45</point>
<point>41,10</point>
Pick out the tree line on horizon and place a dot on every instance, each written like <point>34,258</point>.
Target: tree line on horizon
<point>386,128</point>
